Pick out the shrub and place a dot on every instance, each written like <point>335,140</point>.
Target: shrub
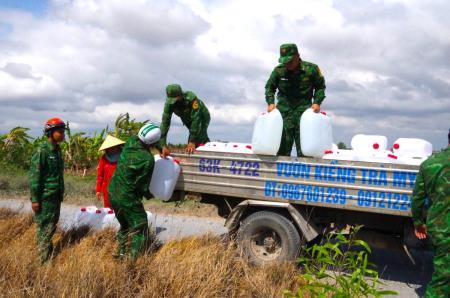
<point>339,267</point>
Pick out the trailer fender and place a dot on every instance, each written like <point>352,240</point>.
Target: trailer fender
<point>308,229</point>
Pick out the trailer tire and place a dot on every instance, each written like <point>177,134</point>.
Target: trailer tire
<point>267,237</point>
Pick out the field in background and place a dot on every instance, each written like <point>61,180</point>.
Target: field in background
<point>83,266</point>
<point>80,190</point>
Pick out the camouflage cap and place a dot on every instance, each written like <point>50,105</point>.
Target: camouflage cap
<point>287,52</point>
<point>172,92</point>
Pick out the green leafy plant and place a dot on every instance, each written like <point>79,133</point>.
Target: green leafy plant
<point>338,267</point>
<point>341,145</point>
<point>124,127</point>
<point>16,146</point>
<point>80,150</point>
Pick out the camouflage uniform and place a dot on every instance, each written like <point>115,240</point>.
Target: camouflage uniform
<point>128,185</point>
<point>192,111</point>
<point>297,90</point>
<point>47,189</point>
<point>433,182</point>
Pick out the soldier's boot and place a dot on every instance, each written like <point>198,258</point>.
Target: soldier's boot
<point>139,241</point>
<point>45,252</point>
<point>122,238</point>
<point>45,231</point>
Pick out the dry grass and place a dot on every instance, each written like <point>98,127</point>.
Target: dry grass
<point>84,267</point>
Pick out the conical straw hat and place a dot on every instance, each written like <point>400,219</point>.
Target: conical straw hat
<point>109,142</point>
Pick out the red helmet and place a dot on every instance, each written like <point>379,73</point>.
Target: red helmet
<point>54,123</point>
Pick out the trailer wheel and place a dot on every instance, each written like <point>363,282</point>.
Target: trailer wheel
<point>266,237</point>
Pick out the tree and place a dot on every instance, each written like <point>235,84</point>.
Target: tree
<point>16,147</point>
<point>124,127</point>
<point>341,145</point>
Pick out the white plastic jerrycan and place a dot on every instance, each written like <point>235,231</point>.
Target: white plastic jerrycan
<point>90,216</point>
<point>369,143</point>
<point>164,177</point>
<point>316,134</point>
<point>110,220</point>
<point>410,147</point>
<point>267,133</point>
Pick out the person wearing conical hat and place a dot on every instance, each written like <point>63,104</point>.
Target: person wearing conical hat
<point>107,164</point>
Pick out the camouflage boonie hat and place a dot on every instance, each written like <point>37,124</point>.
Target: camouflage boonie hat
<point>287,52</point>
<point>172,92</point>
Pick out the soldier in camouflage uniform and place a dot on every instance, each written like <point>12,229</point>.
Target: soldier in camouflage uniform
<point>433,182</point>
<point>128,185</point>
<point>47,185</point>
<point>300,85</point>
<point>193,114</point>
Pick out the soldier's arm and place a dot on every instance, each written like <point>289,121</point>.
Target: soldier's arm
<point>319,86</point>
<point>165,124</point>
<point>198,109</point>
<point>418,199</point>
<point>35,176</point>
<point>271,87</point>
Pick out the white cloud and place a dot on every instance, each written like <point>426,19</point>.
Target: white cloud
<point>385,62</point>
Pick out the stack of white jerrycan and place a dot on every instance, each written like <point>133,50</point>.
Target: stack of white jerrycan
<point>230,147</point>
<point>374,148</point>
<point>267,132</point>
<point>110,220</point>
<point>164,177</point>
<point>316,135</point>
<point>98,218</point>
<point>411,150</point>
<point>162,184</point>
<point>90,216</point>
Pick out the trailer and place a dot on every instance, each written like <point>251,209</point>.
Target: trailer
<point>274,205</point>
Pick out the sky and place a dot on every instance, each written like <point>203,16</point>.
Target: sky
<point>386,62</point>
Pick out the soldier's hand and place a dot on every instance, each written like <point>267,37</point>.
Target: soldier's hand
<point>98,195</point>
<point>421,232</point>
<point>315,107</point>
<point>165,152</point>
<point>271,107</point>
<point>190,147</point>
<point>35,206</point>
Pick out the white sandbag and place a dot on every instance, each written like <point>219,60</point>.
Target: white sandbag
<point>212,147</point>
<point>231,147</point>
<point>340,154</point>
<point>383,156</point>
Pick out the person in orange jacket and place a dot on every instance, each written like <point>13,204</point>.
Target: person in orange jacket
<point>107,164</point>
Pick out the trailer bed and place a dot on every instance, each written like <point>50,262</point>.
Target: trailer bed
<point>381,188</point>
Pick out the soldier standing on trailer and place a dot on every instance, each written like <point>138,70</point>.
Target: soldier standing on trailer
<point>300,85</point>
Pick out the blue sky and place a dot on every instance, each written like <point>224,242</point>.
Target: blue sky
<point>36,7</point>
